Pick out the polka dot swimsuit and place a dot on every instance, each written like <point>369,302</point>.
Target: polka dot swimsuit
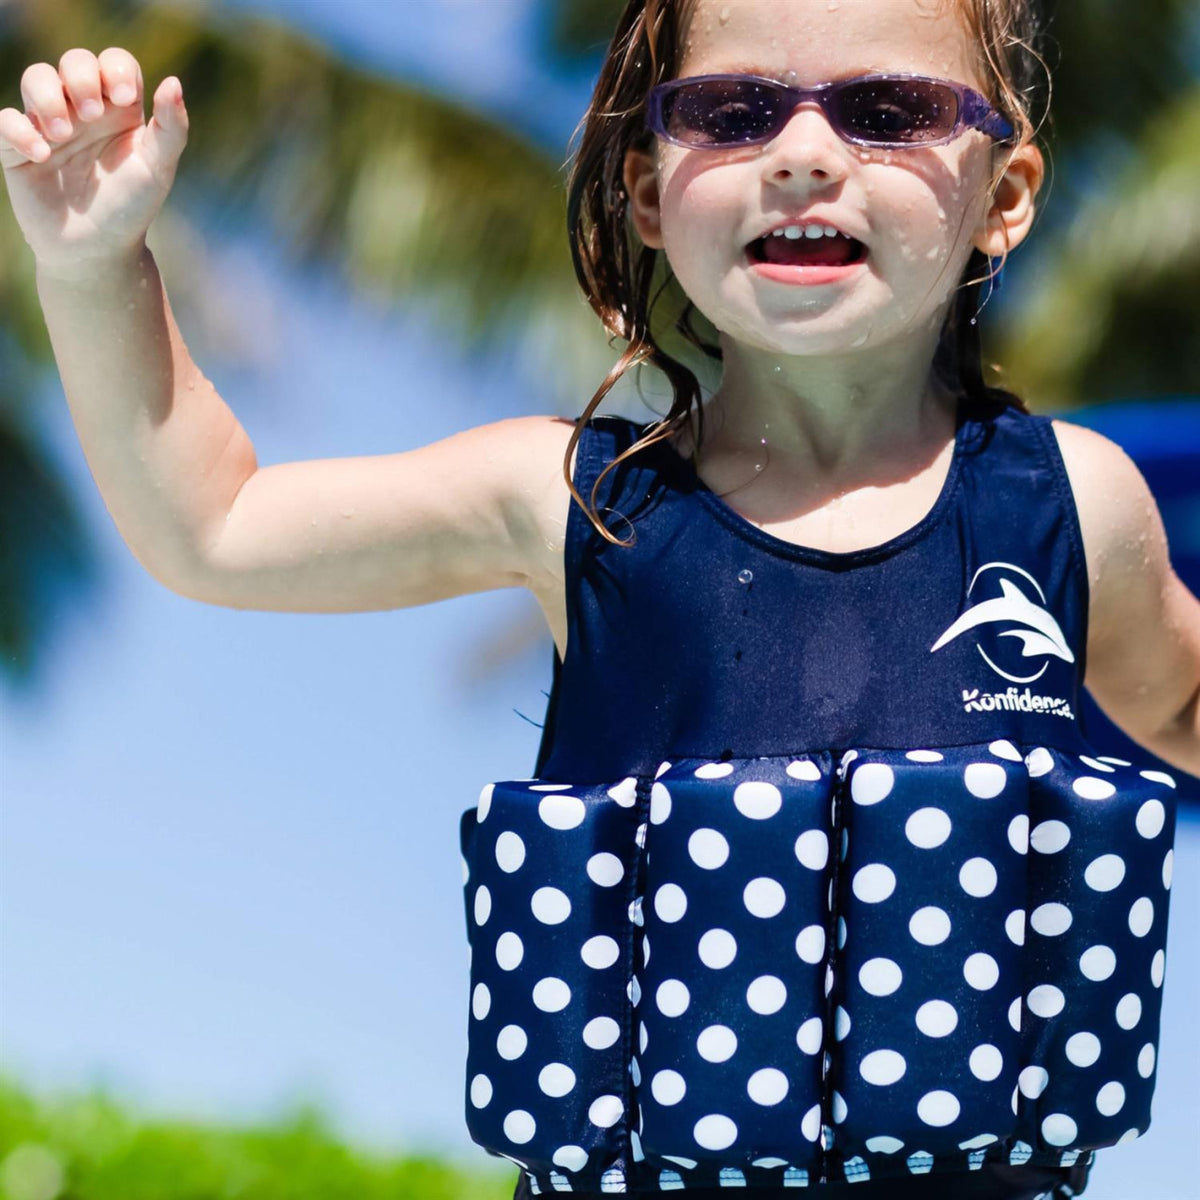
<point>817,881</point>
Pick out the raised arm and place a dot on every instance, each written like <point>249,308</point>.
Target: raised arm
<point>86,176</point>
<point>1143,666</point>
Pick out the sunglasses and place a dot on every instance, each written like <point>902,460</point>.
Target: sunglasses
<point>712,112</point>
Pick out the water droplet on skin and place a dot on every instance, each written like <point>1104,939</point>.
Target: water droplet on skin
<point>723,16</point>
<point>313,521</point>
<point>347,512</point>
<point>861,340</point>
<point>745,575</point>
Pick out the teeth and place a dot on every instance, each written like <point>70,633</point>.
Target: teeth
<point>795,232</point>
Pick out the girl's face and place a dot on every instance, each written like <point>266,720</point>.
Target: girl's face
<point>918,211</point>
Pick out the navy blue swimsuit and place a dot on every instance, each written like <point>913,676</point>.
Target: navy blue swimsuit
<point>818,882</point>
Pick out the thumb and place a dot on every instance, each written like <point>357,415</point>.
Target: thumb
<point>167,130</point>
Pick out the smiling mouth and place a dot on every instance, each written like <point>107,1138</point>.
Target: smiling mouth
<point>840,251</point>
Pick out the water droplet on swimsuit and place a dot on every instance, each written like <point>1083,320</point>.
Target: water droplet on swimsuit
<point>745,575</point>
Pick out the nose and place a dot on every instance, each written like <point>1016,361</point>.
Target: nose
<point>807,146</point>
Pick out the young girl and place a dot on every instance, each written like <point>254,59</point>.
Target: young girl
<point>817,883</point>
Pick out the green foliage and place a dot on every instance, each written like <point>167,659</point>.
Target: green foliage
<point>86,1147</point>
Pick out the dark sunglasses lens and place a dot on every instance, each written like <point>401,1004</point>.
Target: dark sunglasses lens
<point>720,112</point>
<point>897,111</point>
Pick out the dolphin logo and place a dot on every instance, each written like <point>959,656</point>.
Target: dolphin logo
<point>1041,633</point>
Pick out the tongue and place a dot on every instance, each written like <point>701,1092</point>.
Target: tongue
<point>810,252</point>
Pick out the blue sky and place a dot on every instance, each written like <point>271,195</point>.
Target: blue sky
<point>229,864</point>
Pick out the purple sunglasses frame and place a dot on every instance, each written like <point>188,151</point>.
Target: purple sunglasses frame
<point>974,111</point>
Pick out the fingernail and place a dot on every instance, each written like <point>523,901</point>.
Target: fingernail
<point>60,128</point>
<point>123,93</point>
<point>89,110</point>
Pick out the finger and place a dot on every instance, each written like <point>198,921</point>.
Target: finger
<point>166,131</point>
<point>17,133</point>
<point>120,76</point>
<point>80,72</point>
<point>45,101</point>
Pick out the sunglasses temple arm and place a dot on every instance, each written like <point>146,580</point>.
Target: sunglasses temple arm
<point>979,114</point>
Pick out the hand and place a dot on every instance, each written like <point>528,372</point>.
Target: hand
<point>86,174</point>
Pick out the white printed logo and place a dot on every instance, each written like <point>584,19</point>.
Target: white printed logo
<point>1038,632</point>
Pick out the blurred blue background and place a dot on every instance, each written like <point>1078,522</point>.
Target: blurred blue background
<point>229,872</point>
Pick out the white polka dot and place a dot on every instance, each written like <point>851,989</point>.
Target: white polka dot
<point>871,783</point>
<point>924,756</point>
<point>938,1108</point>
<point>977,877</point>
<point>672,997</point>
<point>767,1086</point>
<point>810,944</point>
<point>1157,967</point>
<point>668,1087</point>
<point>605,870</point>
<point>1130,1135</point>
<point>1049,837</point>
<point>509,951</point>
<point>561,812</point>
<point>601,1032</point>
<point>1039,762</point>
<point>1045,1000</point>
<point>1018,833</point>
<point>1141,916</point>
<point>715,1132</point>
<point>1014,926</point>
<point>635,1073</point>
<point>1091,788</point>
<point>986,1062</point>
<point>880,976</point>
<point>763,897</point>
<point>642,1037</point>
<point>981,971</point>
<point>841,1023</point>
<point>1083,1049</point>
<point>551,994</point>
<point>708,849</point>
<point>929,925</point>
<point>927,828</point>
<point>1158,777</point>
<point>570,1158</point>
<point>1050,919</point>
<point>936,1018</point>
<point>884,1145</point>
<point>550,905</point>
<point>600,952</point>
<point>1032,1082</point>
<point>481,1001</point>
<point>606,1111</point>
<point>882,1067</point>
<point>1005,749</point>
<point>1095,764</point>
<point>766,995</point>
<point>808,1036</point>
<point>633,989</point>
<point>716,1043</point>
<point>873,883</point>
<point>1097,963</point>
<point>1151,818</point>
<point>1014,1017</point>
<point>481,1091</point>
<point>757,800</point>
<point>483,904</point>
<point>1110,1099</point>
<point>519,1126</point>
<point>1058,1129</point>
<point>810,1123</point>
<point>635,911</point>
<point>484,806</point>
<point>510,851</point>
<point>625,792</point>
<point>1168,868</point>
<point>812,849</point>
<point>511,1042</point>
<point>1145,1060</point>
<point>670,902</point>
<point>804,769</point>
<point>713,770</point>
<point>688,1164</point>
<point>985,779</point>
<point>556,1079</point>
<point>717,948</point>
<point>1104,873</point>
<point>1129,1010</point>
<point>769,1162</point>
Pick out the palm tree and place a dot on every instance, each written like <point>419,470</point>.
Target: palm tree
<point>412,195</point>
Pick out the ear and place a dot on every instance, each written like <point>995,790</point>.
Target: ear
<point>1012,207</point>
<point>641,185</point>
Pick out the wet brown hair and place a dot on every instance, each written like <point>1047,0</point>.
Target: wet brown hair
<point>631,287</point>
